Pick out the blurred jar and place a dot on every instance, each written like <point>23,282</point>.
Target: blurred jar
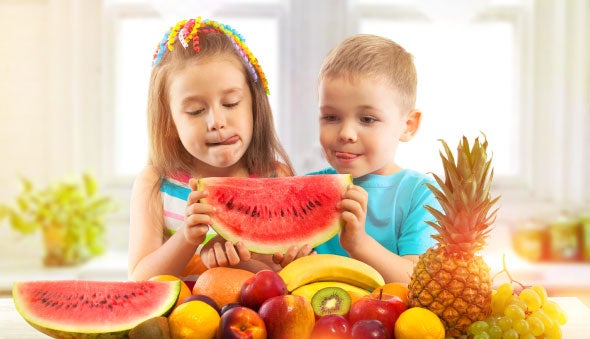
<point>530,239</point>
<point>564,235</point>
<point>585,235</point>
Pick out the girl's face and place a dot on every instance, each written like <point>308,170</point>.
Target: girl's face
<point>361,124</point>
<point>211,106</point>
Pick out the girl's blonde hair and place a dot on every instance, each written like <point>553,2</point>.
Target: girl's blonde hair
<point>166,152</point>
<point>374,56</point>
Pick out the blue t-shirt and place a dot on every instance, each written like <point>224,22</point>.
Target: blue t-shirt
<point>396,216</point>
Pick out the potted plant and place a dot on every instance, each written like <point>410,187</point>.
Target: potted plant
<point>70,214</point>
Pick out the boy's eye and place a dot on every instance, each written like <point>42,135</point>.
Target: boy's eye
<point>329,118</point>
<point>368,120</point>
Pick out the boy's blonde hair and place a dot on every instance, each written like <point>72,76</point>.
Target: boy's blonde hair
<point>166,152</point>
<point>369,55</point>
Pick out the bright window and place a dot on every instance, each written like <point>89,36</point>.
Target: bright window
<point>466,85</point>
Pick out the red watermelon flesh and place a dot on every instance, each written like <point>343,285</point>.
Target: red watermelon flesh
<point>82,308</point>
<point>269,215</point>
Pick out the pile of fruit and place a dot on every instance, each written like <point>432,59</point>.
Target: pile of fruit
<point>323,296</point>
<point>318,296</point>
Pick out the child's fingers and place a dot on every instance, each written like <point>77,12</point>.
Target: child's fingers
<point>304,251</point>
<point>193,183</point>
<point>197,219</point>
<point>358,194</point>
<point>199,208</point>
<point>195,196</point>
<point>196,234</point>
<point>243,252</point>
<point>231,254</point>
<point>349,218</point>
<point>353,207</point>
<point>290,255</point>
<point>219,254</point>
<point>277,258</point>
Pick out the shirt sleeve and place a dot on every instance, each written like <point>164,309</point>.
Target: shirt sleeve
<point>416,235</point>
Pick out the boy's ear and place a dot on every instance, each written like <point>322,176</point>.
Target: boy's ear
<point>413,120</point>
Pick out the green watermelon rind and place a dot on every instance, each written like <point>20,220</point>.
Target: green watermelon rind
<point>57,330</point>
<point>262,248</point>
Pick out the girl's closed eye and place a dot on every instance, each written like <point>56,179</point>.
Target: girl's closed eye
<point>231,105</point>
<point>196,111</point>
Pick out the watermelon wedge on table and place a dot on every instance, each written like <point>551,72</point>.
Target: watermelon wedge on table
<point>269,215</point>
<point>92,309</point>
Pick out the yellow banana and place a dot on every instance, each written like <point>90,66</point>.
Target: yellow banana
<point>307,291</point>
<point>330,267</point>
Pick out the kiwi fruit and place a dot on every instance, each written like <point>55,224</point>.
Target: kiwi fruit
<point>330,300</point>
<point>154,328</point>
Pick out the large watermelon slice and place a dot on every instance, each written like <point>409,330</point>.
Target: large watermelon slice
<point>269,215</point>
<point>92,309</point>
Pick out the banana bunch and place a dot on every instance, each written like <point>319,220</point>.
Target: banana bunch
<point>330,267</point>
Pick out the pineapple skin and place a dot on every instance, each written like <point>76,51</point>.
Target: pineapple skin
<point>458,290</point>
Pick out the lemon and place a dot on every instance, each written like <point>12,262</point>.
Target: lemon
<point>194,319</point>
<point>419,323</point>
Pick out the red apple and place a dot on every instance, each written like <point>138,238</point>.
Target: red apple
<point>262,286</point>
<point>400,305</point>
<point>369,329</point>
<point>331,326</point>
<point>287,316</point>
<point>385,310</point>
<point>241,323</point>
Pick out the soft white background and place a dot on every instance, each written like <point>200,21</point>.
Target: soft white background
<point>73,76</point>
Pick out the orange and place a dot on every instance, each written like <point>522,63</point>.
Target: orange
<point>184,290</point>
<point>419,323</point>
<point>393,288</point>
<point>194,319</point>
<point>222,284</point>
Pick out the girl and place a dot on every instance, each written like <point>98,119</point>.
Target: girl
<point>208,115</point>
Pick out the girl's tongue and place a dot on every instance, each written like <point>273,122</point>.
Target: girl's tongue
<point>228,141</point>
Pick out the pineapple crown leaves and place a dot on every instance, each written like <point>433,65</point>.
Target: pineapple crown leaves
<point>464,196</point>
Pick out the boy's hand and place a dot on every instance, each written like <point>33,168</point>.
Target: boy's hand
<point>292,253</point>
<point>354,212</point>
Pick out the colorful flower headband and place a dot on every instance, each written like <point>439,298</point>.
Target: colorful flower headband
<point>187,30</point>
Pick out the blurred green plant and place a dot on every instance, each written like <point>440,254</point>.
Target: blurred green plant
<point>70,213</point>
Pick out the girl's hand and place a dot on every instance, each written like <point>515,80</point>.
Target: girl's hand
<point>197,218</point>
<point>224,253</point>
<point>292,254</point>
<point>354,212</point>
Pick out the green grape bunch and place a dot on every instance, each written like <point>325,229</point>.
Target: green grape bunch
<point>71,207</point>
<point>526,315</point>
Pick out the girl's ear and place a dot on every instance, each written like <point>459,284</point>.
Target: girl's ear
<point>413,119</point>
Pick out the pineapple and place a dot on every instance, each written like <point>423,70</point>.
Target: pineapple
<point>450,279</point>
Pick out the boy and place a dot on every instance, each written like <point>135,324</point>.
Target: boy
<point>367,95</point>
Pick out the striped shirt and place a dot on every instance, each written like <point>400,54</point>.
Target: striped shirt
<point>174,192</point>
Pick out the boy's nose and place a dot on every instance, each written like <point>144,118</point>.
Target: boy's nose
<point>347,134</point>
<point>216,120</point>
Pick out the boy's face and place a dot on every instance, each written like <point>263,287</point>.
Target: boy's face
<point>361,124</point>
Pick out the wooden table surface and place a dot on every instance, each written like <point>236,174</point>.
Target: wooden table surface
<point>13,326</point>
